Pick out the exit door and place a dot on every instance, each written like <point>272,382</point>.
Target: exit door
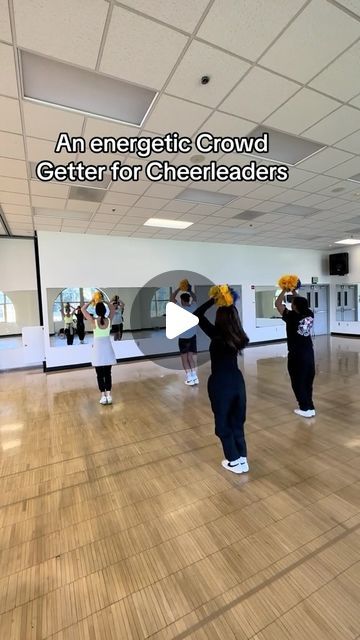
<point>346,303</point>
<point>317,297</point>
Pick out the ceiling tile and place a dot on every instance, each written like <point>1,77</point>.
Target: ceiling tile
<point>258,95</point>
<point>48,203</point>
<point>318,184</point>
<point>324,160</point>
<point>10,115</point>
<point>6,197</point>
<point>5,29</point>
<point>14,185</point>
<point>313,40</point>
<point>161,190</point>
<point>221,124</point>
<point>96,127</point>
<point>38,150</point>
<point>168,11</point>
<point>17,218</point>
<point>350,143</point>
<point>311,201</point>
<point>267,192</point>
<point>51,190</point>
<point>247,27</point>
<point>178,206</point>
<point>49,122</point>
<point>151,203</point>
<point>136,188</point>
<point>16,209</point>
<point>345,170</point>
<point>290,195</point>
<point>302,111</point>
<point>81,205</point>
<point>238,188</point>
<point>63,29</point>
<point>351,5</point>
<point>339,79</point>
<point>173,114</point>
<point>200,59</point>
<point>7,71</point>
<point>336,126</point>
<point>296,176</point>
<point>12,146</point>
<point>13,168</point>
<point>146,59</point>
<point>109,208</point>
<point>117,198</point>
<point>356,102</point>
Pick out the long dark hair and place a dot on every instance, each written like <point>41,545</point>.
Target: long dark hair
<point>228,322</point>
<point>100,312</point>
<point>301,306</point>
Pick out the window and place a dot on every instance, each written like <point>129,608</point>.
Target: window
<point>75,297</point>
<point>159,301</point>
<point>7,309</point>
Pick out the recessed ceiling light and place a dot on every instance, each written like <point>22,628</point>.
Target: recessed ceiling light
<point>86,195</point>
<point>167,224</point>
<point>85,91</point>
<point>205,197</point>
<point>348,241</point>
<point>355,178</point>
<point>248,215</point>
<point>286,148</point>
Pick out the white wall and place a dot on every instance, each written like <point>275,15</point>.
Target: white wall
<point>131,262</point>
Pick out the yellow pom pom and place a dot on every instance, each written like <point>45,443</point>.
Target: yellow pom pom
<point>184,285</point>
<point>97,297</point>
<point>288,282</point>
<point>222,295</point>
<point>214,292</point>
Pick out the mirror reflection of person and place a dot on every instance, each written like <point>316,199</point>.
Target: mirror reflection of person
<point>80,325</point>
<point>67,313</point>
<point>118,319</point>
<point>187,340</point>
<point>103,353</point>
<point>301,361</point>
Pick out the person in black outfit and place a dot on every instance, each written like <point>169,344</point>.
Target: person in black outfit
<point>226,386</point>
<point>80,325</point>
<point>301,361</point>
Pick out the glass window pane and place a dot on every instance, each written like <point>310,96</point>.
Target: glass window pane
<point>10,313</point>
<point>2,313</point>
<point>2,297</point>
<point>71,295</point>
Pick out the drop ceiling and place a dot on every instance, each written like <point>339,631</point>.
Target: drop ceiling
<point>290,65</point>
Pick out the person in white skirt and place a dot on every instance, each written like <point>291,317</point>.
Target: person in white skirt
<point>103,353</point>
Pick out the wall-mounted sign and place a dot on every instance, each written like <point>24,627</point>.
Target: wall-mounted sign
<point>314,280</point>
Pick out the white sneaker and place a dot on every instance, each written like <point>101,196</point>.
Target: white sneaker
<point>189,380</point>
<point>244,465</point>
<point>305,414</point>
<point>102,400</point>
<point>235,466</point>
<point>108,400</point>
<point>195,379</point>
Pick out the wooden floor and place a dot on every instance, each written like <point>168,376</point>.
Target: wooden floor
<point>119,523</point>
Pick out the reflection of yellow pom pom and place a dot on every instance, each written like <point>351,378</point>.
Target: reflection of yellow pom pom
<point>184,285</point>
<point>97,297</point>
<point>222,295</point>
<point>288,282</point>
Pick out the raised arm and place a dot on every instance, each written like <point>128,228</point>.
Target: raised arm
<point>204,323</point>
<point>85,312</point>
<point>174,294</point>
<point>111,309</point>
<point>280,302</point>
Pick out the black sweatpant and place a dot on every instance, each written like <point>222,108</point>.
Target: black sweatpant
<point>301,368</point>
<point>228,401</point>
<point>69,336</point>
<point>104,378</point>
<point>80,329</point>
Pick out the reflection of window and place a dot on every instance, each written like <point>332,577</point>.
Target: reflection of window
<point>73,296</point>
<point>7,309</point>
<point>159,301</point>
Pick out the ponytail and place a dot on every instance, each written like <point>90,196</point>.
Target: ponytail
<point>100,312</point>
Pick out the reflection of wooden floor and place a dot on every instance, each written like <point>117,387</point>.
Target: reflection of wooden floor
<point>118,523</point>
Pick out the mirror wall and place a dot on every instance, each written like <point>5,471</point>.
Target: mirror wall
<point>18,309</point>
<point>266,313</point>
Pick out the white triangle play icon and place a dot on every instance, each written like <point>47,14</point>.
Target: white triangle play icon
<point>178,320</point>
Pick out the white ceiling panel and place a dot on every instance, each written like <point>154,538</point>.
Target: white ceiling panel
<point>178,206</point>
<point>136,188</point>
<point>339,79</point>
<point>48,203</point>
<point>221,124</point>
<point>311,201</point>
<point>124,199</point>
<point>50,190</point>
<point>6,197</point>
<point>296,176</point>
<point>15,185</point>
<point>80,205</point>
<point>268,191</point>
<point>168,12</point>
<point>63,29</point>
<point>258,95</point>
<point>324,160</point>
<point>351,5</point>
<point>17,209</point>
<point>146,59</point>
<point>19,218</point>
<point>350,143</point>
<point>302,111</point>
<point>336,126</point>
<point>173,114</point>
<point>8,81</point>
<point>289,196</point>
<point>346,170</point>
<point>151,203</point>
<point>38,150</point>
<point>13,168</point>
<point>10,115</point>
<point>199,60</point>
<point>12,146</point>
<point>356,102</point>
<point>319,34</point>
<point>96,127</point>
<point>247,27</point>
<point>48,122</point>
<point>5,29</point>
<point>162,190</point>
<point>319,183</point>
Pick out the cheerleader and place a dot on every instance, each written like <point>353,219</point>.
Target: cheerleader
<point>226,386</point>
<point>103,354</point>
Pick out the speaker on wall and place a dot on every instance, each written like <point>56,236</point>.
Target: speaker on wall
<point>339,264</point>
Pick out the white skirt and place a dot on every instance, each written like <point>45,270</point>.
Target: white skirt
<point>103,353</point>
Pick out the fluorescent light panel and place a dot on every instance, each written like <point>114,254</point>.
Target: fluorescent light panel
<point>286,148</point>
<point>62,85</point>
<point>205,197</point>
<point>167,224</point>
<point>348,241</point>
<point>249,215</point>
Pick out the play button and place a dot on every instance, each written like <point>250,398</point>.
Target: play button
<point>178,320</point>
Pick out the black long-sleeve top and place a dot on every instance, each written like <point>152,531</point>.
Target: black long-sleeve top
<point>223,357</point>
